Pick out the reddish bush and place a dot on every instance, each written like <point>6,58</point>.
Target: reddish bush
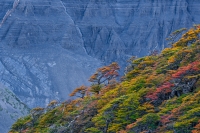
<point>162,90</point>
<point>165,119</point>
<point>190,68</point>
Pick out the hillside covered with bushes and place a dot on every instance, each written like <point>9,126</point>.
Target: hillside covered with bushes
<point>159,93</point>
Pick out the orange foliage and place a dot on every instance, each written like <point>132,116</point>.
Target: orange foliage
<point>128,127</point>
<point>122,131</point>
<point>80,91</point>
<point>105,73</point>
<point>196,128</point>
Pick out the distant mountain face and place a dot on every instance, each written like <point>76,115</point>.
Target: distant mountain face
<point>116,29</point>
<point>41,51</point>
<point>47,48</point>
<point>10,109</point>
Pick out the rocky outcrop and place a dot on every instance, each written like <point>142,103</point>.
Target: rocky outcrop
<point>11,108</point>
<point>41,52</point>
<point>114,30</point>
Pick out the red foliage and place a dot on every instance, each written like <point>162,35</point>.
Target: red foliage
<point>165,119</point>
<point>196,128</point>
<point>166,88</point>
<point>163,89</point>
<point>192,67</point>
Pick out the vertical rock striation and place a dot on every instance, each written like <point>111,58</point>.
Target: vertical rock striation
<point>117,29</point>
<point>41,51</point>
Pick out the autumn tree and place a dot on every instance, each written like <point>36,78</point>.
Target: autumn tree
<point>189,69</point>
<point>79,92</point>
<point>95,88</point>
<point>161,92</point>
<point>190,37</point>
<point>105,74</point>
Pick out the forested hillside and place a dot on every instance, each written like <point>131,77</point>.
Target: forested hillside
<point>159,93</point>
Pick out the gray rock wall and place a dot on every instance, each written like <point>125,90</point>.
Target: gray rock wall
<point>42,56</point>
<point>11,108</point>
<point>116,29</point>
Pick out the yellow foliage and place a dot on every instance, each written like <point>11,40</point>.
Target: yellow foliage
<point>190,36</point>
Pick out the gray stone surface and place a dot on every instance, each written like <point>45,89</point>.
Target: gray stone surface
<point>42,56</point>
<point>11,108</point>
<point>39,75</point>
<point>115,29</point>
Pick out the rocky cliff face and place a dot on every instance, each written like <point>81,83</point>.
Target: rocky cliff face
<point>10,109</point>
<point>115,29</point>
<point>42,55</point>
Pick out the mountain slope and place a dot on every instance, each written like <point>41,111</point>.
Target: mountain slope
<point>159,93</point>
<point>11,108</point>
<point>114,30</point>
<point>41,51</point>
